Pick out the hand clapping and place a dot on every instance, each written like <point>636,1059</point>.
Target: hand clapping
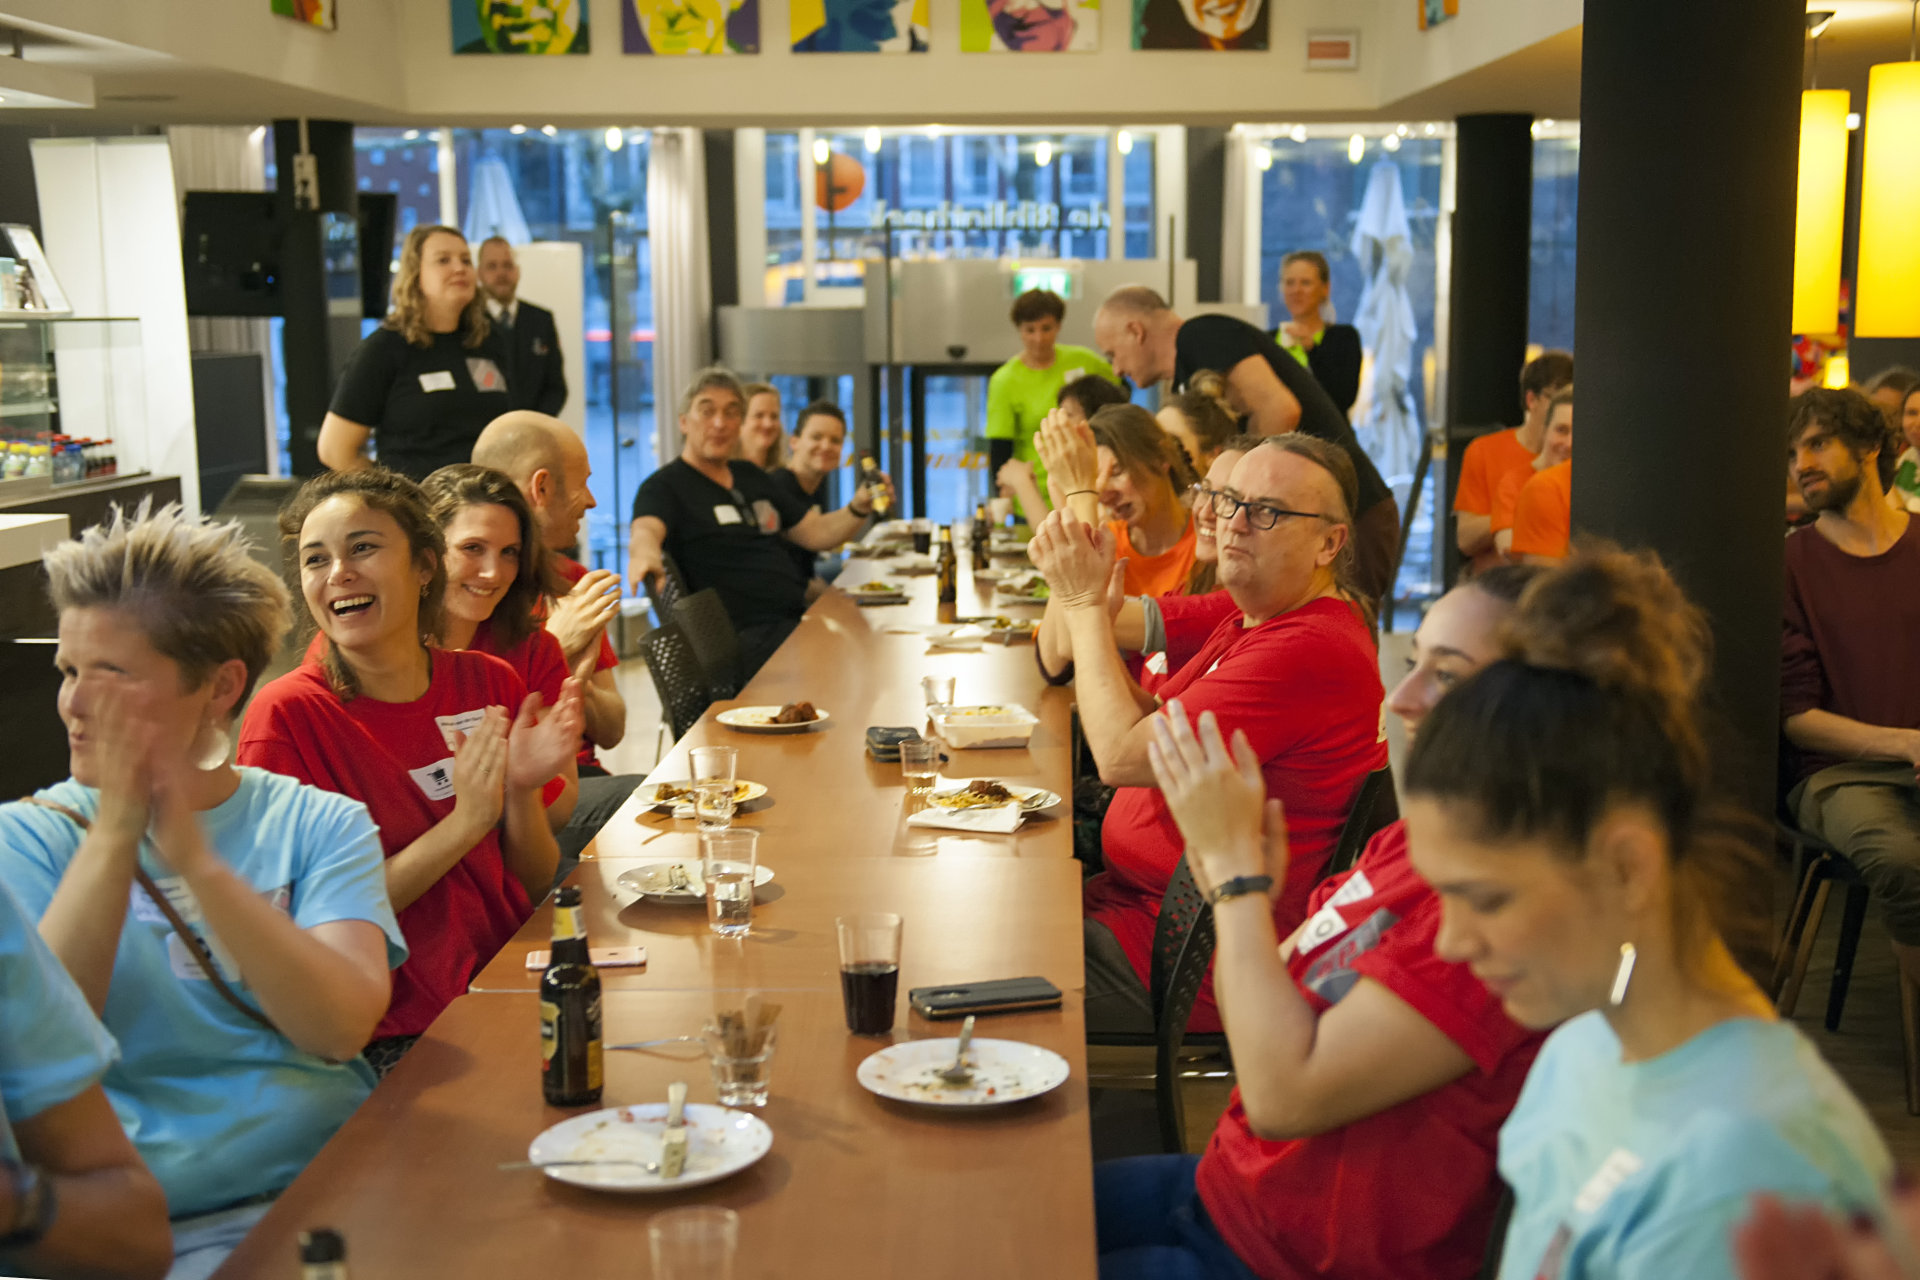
<point>1218,798</point>
<point>1075,558</point>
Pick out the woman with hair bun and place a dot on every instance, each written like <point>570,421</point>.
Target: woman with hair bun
<point>445,747</point>
<point>1201,419</point>
<point>1558,803</point>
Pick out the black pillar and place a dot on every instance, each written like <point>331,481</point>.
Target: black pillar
<point>1487,307</point>
<point>320,331</point>
<point>723,242</point>
<point>1683,284</point>
<point>1206,204</point>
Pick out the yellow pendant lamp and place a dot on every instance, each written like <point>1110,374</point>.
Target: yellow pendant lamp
<point>1821,210</point>
<point>1888,288</point>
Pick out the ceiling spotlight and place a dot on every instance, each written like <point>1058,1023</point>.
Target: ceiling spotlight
<point>1401,131</point>
<point>1124,143</point>
<point>1547,122</point>
<point>1391,142</point>
<point>1043,153</point>
<point>1356,148</point>
<point>410,135</point>
<point>1263,157</point>
<point>517,130</point>
<point>933,131</point>
<point>1535,129</point>
<point>615,138</point>
<point>1430,129</point>
<point>822,151</point>
<point>549,130</point>
<point>1299,133</point>
<point>1818,20</point>
<point>1853,119</point>
<point>873,141</point>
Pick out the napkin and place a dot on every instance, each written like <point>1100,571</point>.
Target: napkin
<point>968,638</point>
<point>1001,818</point>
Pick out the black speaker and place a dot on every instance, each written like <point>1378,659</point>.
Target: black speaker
<point>379,215</point>
<point>231,252</point>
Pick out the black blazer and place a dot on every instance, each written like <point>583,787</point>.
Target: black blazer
<point>538,378</point>
<point>1335,363</point>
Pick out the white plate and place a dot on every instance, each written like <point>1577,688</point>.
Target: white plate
<point>757,720</point>
<point>720,1142</point>
<point>650,881</point>
<point>1032,799</point>
<point>743,792</point>
<point>1003,1071</point>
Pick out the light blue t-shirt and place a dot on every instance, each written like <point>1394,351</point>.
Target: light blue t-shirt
<point>220,1108</point>
<point>52,1048</point>
<point>1641,1170</point>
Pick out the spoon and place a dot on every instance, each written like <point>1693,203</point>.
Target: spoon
<point>960,1072</point>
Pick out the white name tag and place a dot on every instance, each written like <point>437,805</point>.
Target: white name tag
<point>462,723</point>
<point>435,779</point>
<point>1356,889</point>
<point>181,960</point>
<point>1074,374</point>
<point>1620,1165</point>
<point>1325,924</point>
<point>440,380</point>
<point>177,893</point>
<point>726,513</point>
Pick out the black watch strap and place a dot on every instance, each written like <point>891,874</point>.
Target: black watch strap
<point>1238,887</point>
<point>34,1205</point>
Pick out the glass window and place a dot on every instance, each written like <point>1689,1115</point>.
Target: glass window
<point>1556,200</point>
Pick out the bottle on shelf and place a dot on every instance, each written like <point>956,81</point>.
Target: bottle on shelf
<point>570,1047</point>
<point>323,1255</point>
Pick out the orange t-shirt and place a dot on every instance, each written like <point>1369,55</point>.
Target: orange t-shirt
<point>1543,518</point>
<point>1487,460</point>
<point>1162,575</point>
<point>1507,496</point>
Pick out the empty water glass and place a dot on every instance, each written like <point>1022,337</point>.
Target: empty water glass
<point>937,690</point>
<point>712,770</point>
<point>694,1243</point>
<point>729,860</point>
<point>919,765</point>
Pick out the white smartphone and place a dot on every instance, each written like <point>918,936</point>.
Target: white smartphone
<point>602,957</point>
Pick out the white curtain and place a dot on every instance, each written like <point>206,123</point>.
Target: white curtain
<point>493,208</point>
<point>682,298</point>
<point>1383,245</point>
<point>227,158</point>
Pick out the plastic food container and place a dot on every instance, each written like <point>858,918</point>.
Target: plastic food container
<point>965,728</point>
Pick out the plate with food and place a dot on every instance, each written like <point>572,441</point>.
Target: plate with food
<point>795,717</point>
<point>679,881</point>
<point>1002,1071</point>
<point>983,792</point>
<point>659,793</point>
<point>1028,588</point>
<point>618,1149</point>
<point>879,592</point>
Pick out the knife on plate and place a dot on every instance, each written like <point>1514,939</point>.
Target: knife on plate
<point>673,1143</point>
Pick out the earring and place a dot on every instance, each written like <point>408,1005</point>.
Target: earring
<point>214,755</point>
<point>1622,975</point>
<point>423,591</point>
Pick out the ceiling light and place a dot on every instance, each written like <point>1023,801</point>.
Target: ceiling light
<point>1043,153</point>
<point>1430,129</point>
<point>822,151</point>
<point>1356,148</point>
<point>1263,157</point>
<point>1536,129</point>
<point>549,130</point>
<point>1818,20</point>
<point>1547,122</point>
<point>1853,120</point>
<point>1820,211</point>
<point>1299,133</point>
<point>410,135</point>
<point>933,131</point>
<point>615,138</point>
<point>517,130</point>
<point>873,141</point>
<point>1124,143</point>
<point>1887,282</point>
<point>1391,142</point>
<point>1401,131</point>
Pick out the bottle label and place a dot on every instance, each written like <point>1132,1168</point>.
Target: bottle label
<point>594,1048</point>
<point>549,1032</point>
<point>567,925</point>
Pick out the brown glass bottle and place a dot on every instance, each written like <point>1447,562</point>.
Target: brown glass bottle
<point>570,1070</point>
<point>947,579</point>
<point>982,536</point>
<point>870,476</point>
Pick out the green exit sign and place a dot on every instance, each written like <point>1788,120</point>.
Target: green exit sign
<point>1053,279</point>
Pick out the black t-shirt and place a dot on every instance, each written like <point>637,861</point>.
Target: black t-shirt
<point>789,484</point>
<point>426,405</point>
<point>730,539</point>
<point>1221,342</point>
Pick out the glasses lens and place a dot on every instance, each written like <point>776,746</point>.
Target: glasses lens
<point>1224,504</point>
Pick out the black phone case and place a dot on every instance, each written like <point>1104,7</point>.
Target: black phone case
<point>883,741</point>
<point>1003,995</point>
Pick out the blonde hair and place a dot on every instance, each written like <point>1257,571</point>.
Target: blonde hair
<point>408,315</point>
<point>191,586</point>
<point>777,451</point>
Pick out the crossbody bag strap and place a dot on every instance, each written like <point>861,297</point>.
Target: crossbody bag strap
<point>188,937</point>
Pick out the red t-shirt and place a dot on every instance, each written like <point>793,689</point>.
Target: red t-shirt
<point>572,570</point>
<point>391,757</point>
<point>1305,687</point>
<point>1189,622</point>
<point>1409,1191</point>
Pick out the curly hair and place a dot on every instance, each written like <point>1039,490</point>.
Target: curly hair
<point>1852,418</point>
<point>408,313</point>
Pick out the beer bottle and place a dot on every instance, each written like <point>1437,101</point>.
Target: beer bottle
<point>947,571</point>
<point>569,1011</point>
<point>870,476</point>
<point>323,1255</point>
<point>982,535</point>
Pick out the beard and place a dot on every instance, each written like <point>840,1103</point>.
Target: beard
<point>1837,496</point>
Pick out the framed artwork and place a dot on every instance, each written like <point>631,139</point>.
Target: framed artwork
<point>1029,26</point>
<point>1333,50</point>
<point>519,26</point>
<point>1199,24</point>
<point>315,13</point>
<point>689,28</point>
<point>858,26</point>
<point>1435,12</point>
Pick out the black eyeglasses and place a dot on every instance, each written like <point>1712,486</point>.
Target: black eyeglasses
<point>1261,515</point>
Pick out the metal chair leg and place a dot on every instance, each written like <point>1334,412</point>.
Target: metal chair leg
<point>1790,994</point>
<point>1808,877</point>
<point>1910,1037</point>
<point>1853,918</point>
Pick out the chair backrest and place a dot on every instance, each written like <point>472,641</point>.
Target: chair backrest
<point>677,677</point>
<point>1374,808</point>
<point>1183,940</point>
<point>704,621</point>
<point>1497,1237</point>
<point>668,590</point>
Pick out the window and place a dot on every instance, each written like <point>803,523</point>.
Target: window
<point>1556,201</point>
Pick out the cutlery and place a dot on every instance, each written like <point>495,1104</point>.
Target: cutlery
<point>960,1072</point>
<point>673,1143</point>
<point>654,1044</point>
<point>648,1165</point>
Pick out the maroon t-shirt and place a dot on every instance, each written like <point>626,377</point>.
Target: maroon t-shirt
<point>1847,645</point>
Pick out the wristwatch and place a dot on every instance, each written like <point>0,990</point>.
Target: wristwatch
<point>33,1204</point>
<point>1238,887</point>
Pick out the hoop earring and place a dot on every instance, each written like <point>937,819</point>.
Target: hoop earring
<point>214,754</point>
<point>1623,975</point>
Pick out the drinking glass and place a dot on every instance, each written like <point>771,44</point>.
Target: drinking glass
<point>695,1243</point>
<point>920,765</point>
<point>999,509</point>
<point>739,1080</point>
<point>712,778</point>
<point>728,860</point>
<point>869,970</point>
<point>922,537</point>
<point>937,690</point>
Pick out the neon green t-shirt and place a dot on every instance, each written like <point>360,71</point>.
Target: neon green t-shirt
<point>1018,398</point>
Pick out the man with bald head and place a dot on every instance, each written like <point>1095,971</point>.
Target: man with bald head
<point>547,462</point>
<point>1294,669</point>
<point>1147,342</point>
<point>537,374</point>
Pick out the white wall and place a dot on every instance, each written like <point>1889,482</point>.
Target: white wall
<point>1403,60</point>
<point>552,276</point>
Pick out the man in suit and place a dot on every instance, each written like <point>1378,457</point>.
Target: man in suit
<point>537,379</point>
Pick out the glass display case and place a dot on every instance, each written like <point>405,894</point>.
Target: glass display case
<point>71,405</point>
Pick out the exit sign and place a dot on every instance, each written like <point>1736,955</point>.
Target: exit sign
<point>1056,280</point>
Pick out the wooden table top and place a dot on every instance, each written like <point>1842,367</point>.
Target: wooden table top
<point>855,1186</point>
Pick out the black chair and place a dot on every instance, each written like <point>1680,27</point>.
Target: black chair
<point>677,677</point>
<point>1497,1237</point>
<point>704,621</point>
<point>1373,809</point>
<point>668,589</point>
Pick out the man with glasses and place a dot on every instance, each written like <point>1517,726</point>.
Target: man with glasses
<point>725,523</point>
<point>1147,342</point>
<point>1293,668</point>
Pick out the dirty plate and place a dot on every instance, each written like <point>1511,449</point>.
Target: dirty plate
<point>657,880</point>
<point>760,720</point>
<point>720,1143</point>
<point>1004,1071</point>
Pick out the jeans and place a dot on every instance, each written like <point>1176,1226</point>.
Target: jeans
<point>1150,1224</point>
<point>201,1243</point>
<point>600,796</point>
<point>1116,1001</point>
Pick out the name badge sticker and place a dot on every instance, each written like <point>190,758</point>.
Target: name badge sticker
<point>438,380</point>
<point>1326,923</point>
<point>462,723</point>
<point>726,513</point>
<point>486,374</point>
<point>436,780</point>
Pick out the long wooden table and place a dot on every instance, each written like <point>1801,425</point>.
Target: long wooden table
<point>855,1186</point>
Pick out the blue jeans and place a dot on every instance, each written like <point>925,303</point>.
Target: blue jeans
<point>1150,1223</point>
